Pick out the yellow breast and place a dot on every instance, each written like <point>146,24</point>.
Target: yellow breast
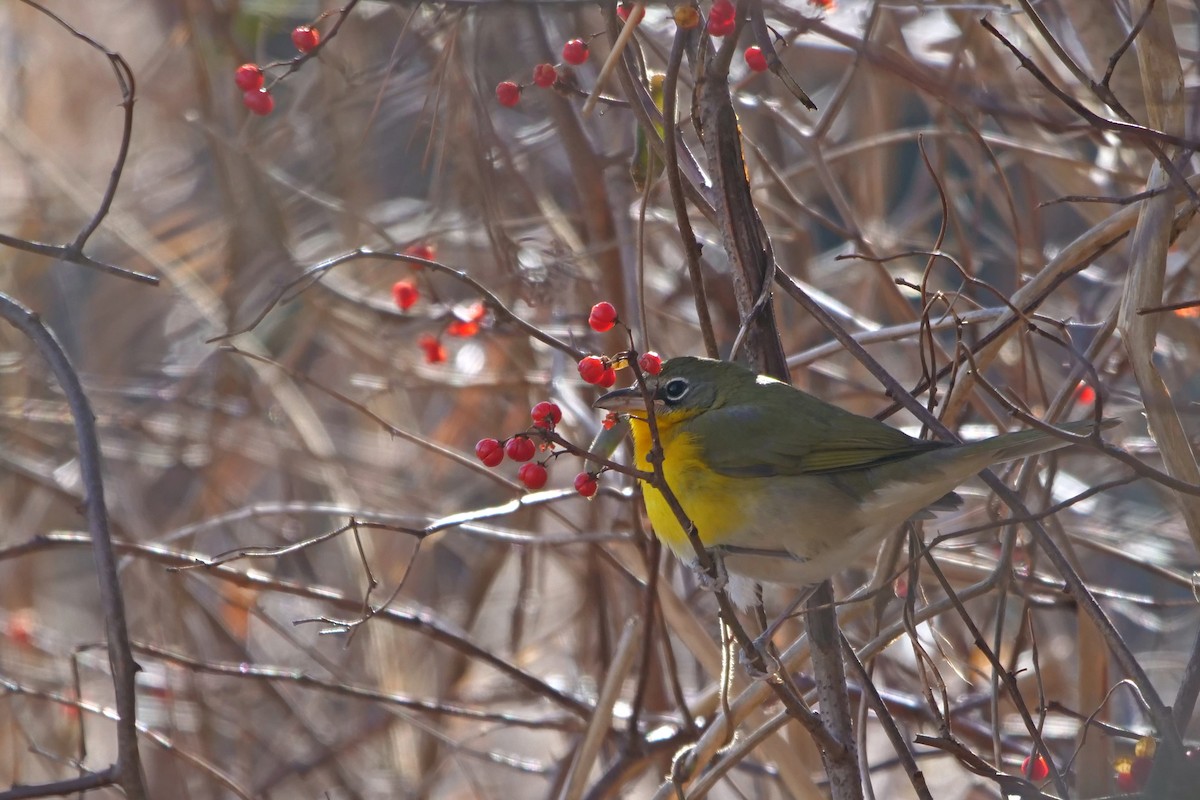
<point>711,501</point>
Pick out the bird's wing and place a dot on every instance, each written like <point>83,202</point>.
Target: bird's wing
<point>785,432</point>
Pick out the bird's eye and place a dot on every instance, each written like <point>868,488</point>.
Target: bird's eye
<point>675,389</point>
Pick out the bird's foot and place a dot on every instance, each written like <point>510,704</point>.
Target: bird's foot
<point>760,653</point>
<point>707,581</point>
<point>762,644</point>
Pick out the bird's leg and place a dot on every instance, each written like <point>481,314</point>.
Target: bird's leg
<point>773,665</point>
<point>707,581</point>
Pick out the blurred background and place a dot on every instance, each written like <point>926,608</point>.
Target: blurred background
<point>495,613</point>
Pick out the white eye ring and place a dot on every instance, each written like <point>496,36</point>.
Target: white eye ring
<point>675,389</point>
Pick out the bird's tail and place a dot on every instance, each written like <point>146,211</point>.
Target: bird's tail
<point>1011,446</point>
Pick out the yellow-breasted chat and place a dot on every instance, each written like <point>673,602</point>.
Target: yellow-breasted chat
<point>783,486</point>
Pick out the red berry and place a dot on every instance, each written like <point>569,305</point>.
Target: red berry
<point>825,4</point>
<point>425,251</point>
<point>306,38</point>
<point>755,59</point>
<point>259,101</point>
<point>1035,767</point>
<point>591,368</point>
<point>508,93</point>
<point>1139,770</point>
<point>546,415</point>
<point>1125,782</point>
<point>624,10</point>
<point>21,626</point>
<point>610,420</point>
<point>650,363</point>
<point>463,329</point>
<point>608,378</point>
<point>544,75</point>
<point>722,18</point>
<point>721,26</point>
<point>489,451</point>
<point>435,353</point>
<point>466,320</point>
<point>603,317</point>
<point>722,9</point>
<point>406,294</point>
<point>586,484</point>
<point>576,52</point>
<point>520,448</point>
<point>248,77</point>
<point>1085,395</point>
<point>532,475</point>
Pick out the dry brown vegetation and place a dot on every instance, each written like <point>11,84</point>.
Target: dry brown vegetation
<point>329,597</point>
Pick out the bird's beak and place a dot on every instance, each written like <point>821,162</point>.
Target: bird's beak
<point>622,401</point>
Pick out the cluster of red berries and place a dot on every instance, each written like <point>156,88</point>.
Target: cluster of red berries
<point>464,325</point>
<point>249,77</point>
<point>722,21</point>
<point>405,292</point>
<point>598,371</point>
<point>602,318</point>
<point>574,52</point>
<point>1133,773</point>
<point>465,322</point>
<point>601,370</point>
<point>522,448</point>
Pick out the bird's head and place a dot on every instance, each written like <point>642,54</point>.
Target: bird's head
<point>687,386</point>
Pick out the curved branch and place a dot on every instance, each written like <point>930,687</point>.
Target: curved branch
<point>120,656</point>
